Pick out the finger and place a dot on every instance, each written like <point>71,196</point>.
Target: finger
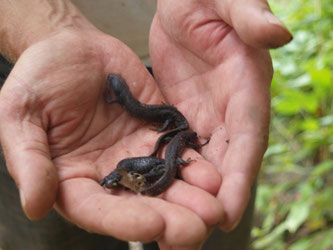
<point>183,228</point>
<point>27,157</point>
<point>201,173</point>
<point>254,22</point>
<point>247,124</point>
<point>199,177</point>
<point>239,171</point>
<point>86,204</point>
<point>206,206</point>
<point>248,129</point>
<point>131,218</point>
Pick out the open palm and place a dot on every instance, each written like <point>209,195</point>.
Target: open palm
<point>221,84</point>
<point>60,138</point>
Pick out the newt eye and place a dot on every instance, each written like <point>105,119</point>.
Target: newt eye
<point>111,184</point>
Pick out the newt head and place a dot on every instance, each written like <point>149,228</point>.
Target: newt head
<point>112,180</point>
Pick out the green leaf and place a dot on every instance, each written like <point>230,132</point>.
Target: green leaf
<point>264,242</point>
<point>309,124</point>
<point>323,168</point>
<point>298,214</point>
<point>275,149</point>
<point>302,244</point>
<point>326,120</point>
<point>303,80</point>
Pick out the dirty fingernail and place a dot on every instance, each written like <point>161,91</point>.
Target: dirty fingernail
<point>23,202</point>
<point>287,36</point>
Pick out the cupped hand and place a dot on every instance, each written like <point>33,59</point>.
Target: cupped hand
<point>210,59</point>
<point>60,138</point>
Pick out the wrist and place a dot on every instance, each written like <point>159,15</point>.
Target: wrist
<point>24,23</point>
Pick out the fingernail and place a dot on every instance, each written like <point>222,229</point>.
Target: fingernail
<point>234,225</point>
<point>22,198</point>
<point>229,228</point>
<point>273,19</point>
<point>270,18</point>
<point>23,203</point>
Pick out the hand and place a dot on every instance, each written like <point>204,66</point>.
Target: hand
<point>60,138</point>
<point>210,60</point>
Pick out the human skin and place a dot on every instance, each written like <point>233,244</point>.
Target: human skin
<point>211,61</point>
<point>60,138</point>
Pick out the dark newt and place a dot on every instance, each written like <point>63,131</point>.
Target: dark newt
<point>174,150</point>
<point>135,172</point>
<point>153,175</point>
<point>168,115</point>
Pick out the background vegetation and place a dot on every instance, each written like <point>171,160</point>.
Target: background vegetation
<point>295,195</point>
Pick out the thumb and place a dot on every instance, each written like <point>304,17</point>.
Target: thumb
<point>254,22</point>
<point>28,160</point>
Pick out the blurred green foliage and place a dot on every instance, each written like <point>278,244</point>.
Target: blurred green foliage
<point>294,208</point>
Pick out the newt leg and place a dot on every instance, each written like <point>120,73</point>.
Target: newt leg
<point>108,98</point>
<point>182,162</point>
<point>163,127</point>
<point>155,173</point>
<point>166,137</point>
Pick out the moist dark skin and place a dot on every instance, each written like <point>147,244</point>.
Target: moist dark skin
<point>174,150</point>
<point>150,167</point>
<point>168,115</point>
